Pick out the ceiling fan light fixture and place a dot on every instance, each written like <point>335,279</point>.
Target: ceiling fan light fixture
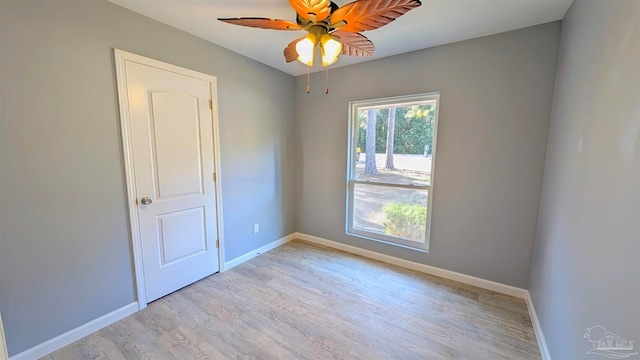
<point>334,29</point>
<point>305,48</point>
<point>331,49</point>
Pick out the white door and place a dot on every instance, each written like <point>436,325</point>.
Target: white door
<point>171,136</point>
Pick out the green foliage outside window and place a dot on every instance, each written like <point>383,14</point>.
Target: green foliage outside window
<point>413,129</point>
<point>405,221</point>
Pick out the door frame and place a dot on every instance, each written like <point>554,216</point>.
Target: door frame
<point>120,58</point>
<point>3,344</point>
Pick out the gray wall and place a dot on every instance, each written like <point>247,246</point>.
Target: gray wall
<point>586,263</point>
<point>64,247</point>
<point>496,96</point>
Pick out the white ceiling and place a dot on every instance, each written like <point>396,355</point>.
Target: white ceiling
<point>434,23</point>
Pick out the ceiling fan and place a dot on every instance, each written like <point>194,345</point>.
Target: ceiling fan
<point>335,30</point>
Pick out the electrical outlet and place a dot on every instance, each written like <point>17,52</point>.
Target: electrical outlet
<point>256,228</point>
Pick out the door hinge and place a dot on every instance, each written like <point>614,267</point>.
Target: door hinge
<point>213,176</point>
<point>211,104</point>
<point>217,243</point>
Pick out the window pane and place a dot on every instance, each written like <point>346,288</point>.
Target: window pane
<point>392,211</point>
<point>409,170</point>
<point>394,145</point>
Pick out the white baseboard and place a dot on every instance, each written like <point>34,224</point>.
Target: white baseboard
<point>427,269</point>
<point>261,250</point>
<point>447,274</point>
<point>542,342</point>
<point>78,333</point>
<point>108,319</point>
<point>101,322</point>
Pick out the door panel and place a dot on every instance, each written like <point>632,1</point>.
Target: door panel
<point>176,144</point>
<point>181,234</point>
<point>171,127</point>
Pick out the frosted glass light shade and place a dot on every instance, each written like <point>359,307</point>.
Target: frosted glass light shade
<point>331,49</point>
<point>304,48</point>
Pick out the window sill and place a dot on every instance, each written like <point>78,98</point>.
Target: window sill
<point>424,250</point>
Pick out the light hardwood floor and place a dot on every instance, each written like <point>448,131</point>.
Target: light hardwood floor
<point>303,301</point>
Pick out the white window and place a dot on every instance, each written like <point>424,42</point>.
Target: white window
<point>392,148</point>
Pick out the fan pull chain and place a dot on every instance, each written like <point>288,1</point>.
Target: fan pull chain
<point>327,89</point>
<point>308,83</point>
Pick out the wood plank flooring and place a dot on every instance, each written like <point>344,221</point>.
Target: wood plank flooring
<point>303,301</point>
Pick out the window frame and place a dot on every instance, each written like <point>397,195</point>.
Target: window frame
<point>385,103</point>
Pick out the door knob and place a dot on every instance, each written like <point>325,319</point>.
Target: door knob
<point>145,201</point>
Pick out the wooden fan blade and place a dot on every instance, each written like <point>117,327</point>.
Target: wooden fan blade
<point>363,15</point>
<point>263,23</point>
<point>290,53</point>
<point>354,44</point>
<point>311,10</point>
